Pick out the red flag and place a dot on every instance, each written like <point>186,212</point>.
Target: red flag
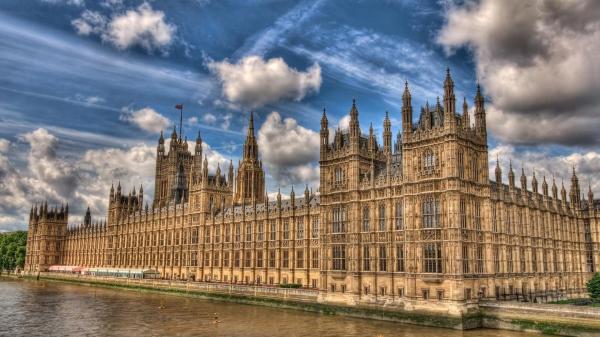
<point>179,106</point>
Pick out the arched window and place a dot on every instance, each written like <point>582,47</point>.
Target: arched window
<point>430,209</point>
<point>429,159</point>
<point>366,217</point>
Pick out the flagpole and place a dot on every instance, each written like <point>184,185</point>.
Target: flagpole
<point>180,107</point>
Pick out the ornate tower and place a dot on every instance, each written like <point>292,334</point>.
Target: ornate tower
<point>250,180</point>
<point>47,230</point>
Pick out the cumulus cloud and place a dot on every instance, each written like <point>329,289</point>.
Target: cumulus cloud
<point>78,3</point>
<point>289,150</point>
<point>142,26</point>
<point>209,118</point>
<point>146,119</point>
<point>81,180</point>
<point>254,82</point>
<point>538,62</point>
<point>544,162</point>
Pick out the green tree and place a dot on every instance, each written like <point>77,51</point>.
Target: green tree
<point>12,250</point>
<point>593,287</point>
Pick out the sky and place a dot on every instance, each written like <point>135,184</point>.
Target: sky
<point>86,86</point>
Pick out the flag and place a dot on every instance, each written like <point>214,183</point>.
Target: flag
<point>179,106</point>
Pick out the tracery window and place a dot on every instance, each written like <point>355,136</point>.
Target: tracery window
<point>339,257</point>
<point>432,258</point>
<point>339,220</point>
<point>399,216</point>
<point>431,212</point>
<point>365,221</point>
<point>400,258</point>
<point>382,217</point>
<point>300,228</point>
<point>315,227</point>
<point>382,258</point>
<point>429,160</point>
<point>366,259</point>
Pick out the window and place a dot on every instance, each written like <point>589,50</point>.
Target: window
<point>339,257</point>
<point>259,259</point>
<point>226,259</point>
<point>496,259</point>
<point>468,294</point>
<point>440,294</point>
<point>286,259</point>
<point>432,262</point>
<point>339,218</point>
<point>425,293</point>
<point>248,259</point>
<point>475,169</point>
<point>339,175</point>
<point>509,260</point>
<point>228,233</point>
<point>382,217</point>
<point>315,258</point>
<point>315,227</point>
<point>236,261</point>
<point>534,260</point>
<point>400,258</point>
<point>300,228</point>
<point>463,213</point>
<point>272,230</point>
<point>261,234</point>
<point>272,259</point>
<point>461,164</point>
<point>365,222</point>
<point>429,161</point>
<point>238,232</point>
<point>217,234</point>
<point>477,215</point>
<point>382,258</point>
<point>431,212</point>
<point>398,220</point>
<point>193,258</point>
<point>494,221</point>
<point>522,260</point>
<point>215,259</point>
<point>366,259</point>
<point>300,258</point>
<point>248,232</point>
<point>479,259</point>
<point>206,259</point>
<point>207,235</point>
<point>286,229</point>
<point>465,259</point>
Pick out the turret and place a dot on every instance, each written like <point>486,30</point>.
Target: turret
<point>511,176</point>
<point>278,198</point>
<point>87,219</point>
<point>575,191</point>
<point>544,186</point>
<point>230,174</point>
<point>590,196</point>
<point>387,135</point>
<point>466,119</point>
<point>324,132</point>
<point>371,139</point>
<point>534,184</point>
<point>406,110</point>
<point>198,148</point>
<point>523,180</point>
<point>293,198</point>
<point>354,125</point>
<point>449,100</point>
<point>498,173</point>
<point>161,144</point>
<point>554,189</point>
<point>480,127</point>
<point>563,192</point>
<point>306,196</point>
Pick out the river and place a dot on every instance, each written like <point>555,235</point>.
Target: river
<point>30,308</point>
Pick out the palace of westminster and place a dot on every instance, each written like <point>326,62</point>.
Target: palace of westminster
<point>419,220</point>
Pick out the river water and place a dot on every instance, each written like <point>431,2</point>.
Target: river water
<point>30,308</point>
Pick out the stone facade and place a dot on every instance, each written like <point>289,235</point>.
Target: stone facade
<point>414,222</point>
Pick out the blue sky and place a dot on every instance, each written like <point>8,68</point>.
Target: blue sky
<point>87,85</point>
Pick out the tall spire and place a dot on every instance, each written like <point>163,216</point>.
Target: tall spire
<point>480,125</point>
<point>406,110</point>
<point>354,125</point>
<point>387,134</point>
<point>466,119</point>
<point>498,172</point>
<point>250,146</point>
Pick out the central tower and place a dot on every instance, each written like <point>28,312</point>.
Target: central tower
<point>250,179</point>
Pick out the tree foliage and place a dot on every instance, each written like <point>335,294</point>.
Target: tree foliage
<point>593,287</point>
<point>12,250</point>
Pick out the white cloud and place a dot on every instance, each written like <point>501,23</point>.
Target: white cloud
<point>78,3</point>
<point>254,82</point>
<point>209,118</point>
<point>538,62</point>
<point>143,27</point>
<point>226,121</point>
<point>79,180</point>
<point>193,121</point>
<point>289,150</point>
<point>544,162</point>
<point>146,119</point>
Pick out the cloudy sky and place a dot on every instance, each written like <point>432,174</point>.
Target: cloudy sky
<point>87,86</point>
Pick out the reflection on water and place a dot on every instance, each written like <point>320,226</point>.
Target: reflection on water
<point>29,308</point>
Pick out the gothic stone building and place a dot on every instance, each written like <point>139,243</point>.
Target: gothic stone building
<point>418,222</point>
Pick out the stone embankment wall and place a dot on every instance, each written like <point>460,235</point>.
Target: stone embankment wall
<point>554,319</point>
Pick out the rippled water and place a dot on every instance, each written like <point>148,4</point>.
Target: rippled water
<point>30,308</point>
